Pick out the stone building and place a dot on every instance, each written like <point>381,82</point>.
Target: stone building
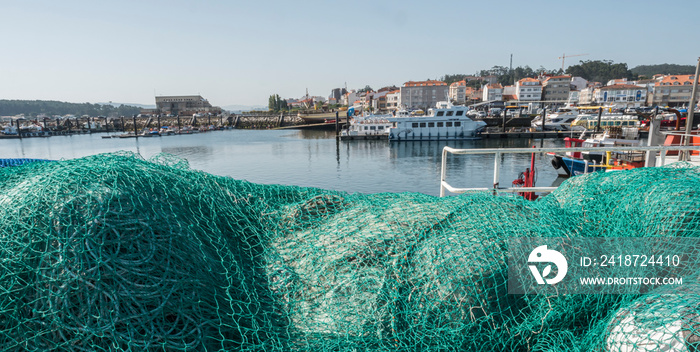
<point>185,105</point>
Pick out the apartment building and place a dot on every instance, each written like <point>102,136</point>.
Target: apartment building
<point>458,92</point>
<point>423,94</point>
<point>492,92</point>
<point>673,90</point>
<point>556,88</point>
<point>528,89</point>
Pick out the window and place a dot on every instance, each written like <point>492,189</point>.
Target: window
<point>439,124</point>
<point>457,124</point>
<point>415,125</point>
<point>372,127</point>
<point>448,124</point>
<point>459,112</point>
<point>365,128</point>
<point>380,127</point>
<point>440,113</point>
<point>449,113</point>
<point>431,124</point>
<point>422,124</point>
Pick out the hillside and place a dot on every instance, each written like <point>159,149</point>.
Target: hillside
<point>667,69</point>
<point>50,107</point>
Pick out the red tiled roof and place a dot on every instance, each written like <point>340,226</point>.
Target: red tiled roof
<point>424,83</point>
<point>671,79</point>
<point>529,80</point>
<point>552,77</point>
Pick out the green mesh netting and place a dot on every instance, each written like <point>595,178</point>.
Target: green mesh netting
<point>113,252</point>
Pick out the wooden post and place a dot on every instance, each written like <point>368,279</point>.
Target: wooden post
<point>19,132</point>
<point>337,125</point>
<point>136,134</point>
<point>544,117</point>
<point>123,125</point>
<point>600,114</point>
<point>159,125</point>
<point>90,124</point>
<point>505,112</point>
<point>179,126</point>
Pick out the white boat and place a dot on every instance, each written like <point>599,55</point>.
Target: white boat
<point>367,127</point>
<point>557,121</point>
<point>444,122</point>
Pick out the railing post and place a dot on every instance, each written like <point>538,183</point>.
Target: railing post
<point>496,168</point>
<point>443,171</point>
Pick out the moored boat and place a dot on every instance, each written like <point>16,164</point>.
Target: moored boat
<point>577,163</point>
<point>444,122</point>
<point>367,127</point>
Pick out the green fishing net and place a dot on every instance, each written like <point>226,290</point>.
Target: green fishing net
<point>116,253</point>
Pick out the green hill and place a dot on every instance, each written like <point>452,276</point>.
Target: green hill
<point>50,107</point>
<point>667,69</point>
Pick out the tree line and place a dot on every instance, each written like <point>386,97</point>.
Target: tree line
<point>668,69</point>
<point>32,108</point>
<point>591,70</point>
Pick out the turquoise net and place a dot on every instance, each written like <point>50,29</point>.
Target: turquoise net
<point>115,253</point>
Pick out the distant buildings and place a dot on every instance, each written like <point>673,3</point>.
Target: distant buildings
<point>423,94</point>
<point>184,105</point>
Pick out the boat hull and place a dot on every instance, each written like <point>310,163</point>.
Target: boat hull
<point>575,166</point>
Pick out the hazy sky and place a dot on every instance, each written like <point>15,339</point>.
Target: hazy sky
<point>240,52</point>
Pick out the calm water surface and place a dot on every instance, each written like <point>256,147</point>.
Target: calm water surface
<point>308,158</point>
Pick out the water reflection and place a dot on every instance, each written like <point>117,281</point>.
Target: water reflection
<point>310,158</point>
<point>198,151</point>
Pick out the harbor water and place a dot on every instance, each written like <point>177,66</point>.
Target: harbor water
<point>310,158</point>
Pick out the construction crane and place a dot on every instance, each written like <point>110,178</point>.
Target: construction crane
<point>564,56</point>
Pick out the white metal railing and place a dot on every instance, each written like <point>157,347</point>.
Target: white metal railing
<point>663,149</point>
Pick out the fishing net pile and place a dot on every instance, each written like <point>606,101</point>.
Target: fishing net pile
<point>113,252</point>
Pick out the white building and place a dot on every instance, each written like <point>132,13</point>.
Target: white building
<point>392,99</point>
<point>586,96</point>
<point>492,92</point>
<point>458,92</point>
<point>622,95</point>
<point>528,89</point>
<point>350,97</point>
<point>578,83</point>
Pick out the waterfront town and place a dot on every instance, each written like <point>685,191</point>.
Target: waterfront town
<point>478,93</point>
<point>553,90</point>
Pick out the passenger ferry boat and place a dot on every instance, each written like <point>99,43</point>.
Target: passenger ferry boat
<point>590,121</point>
<point>367,127</point>
<point>444,122</point>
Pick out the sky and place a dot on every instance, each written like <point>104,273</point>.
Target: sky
<point>240,52</point>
